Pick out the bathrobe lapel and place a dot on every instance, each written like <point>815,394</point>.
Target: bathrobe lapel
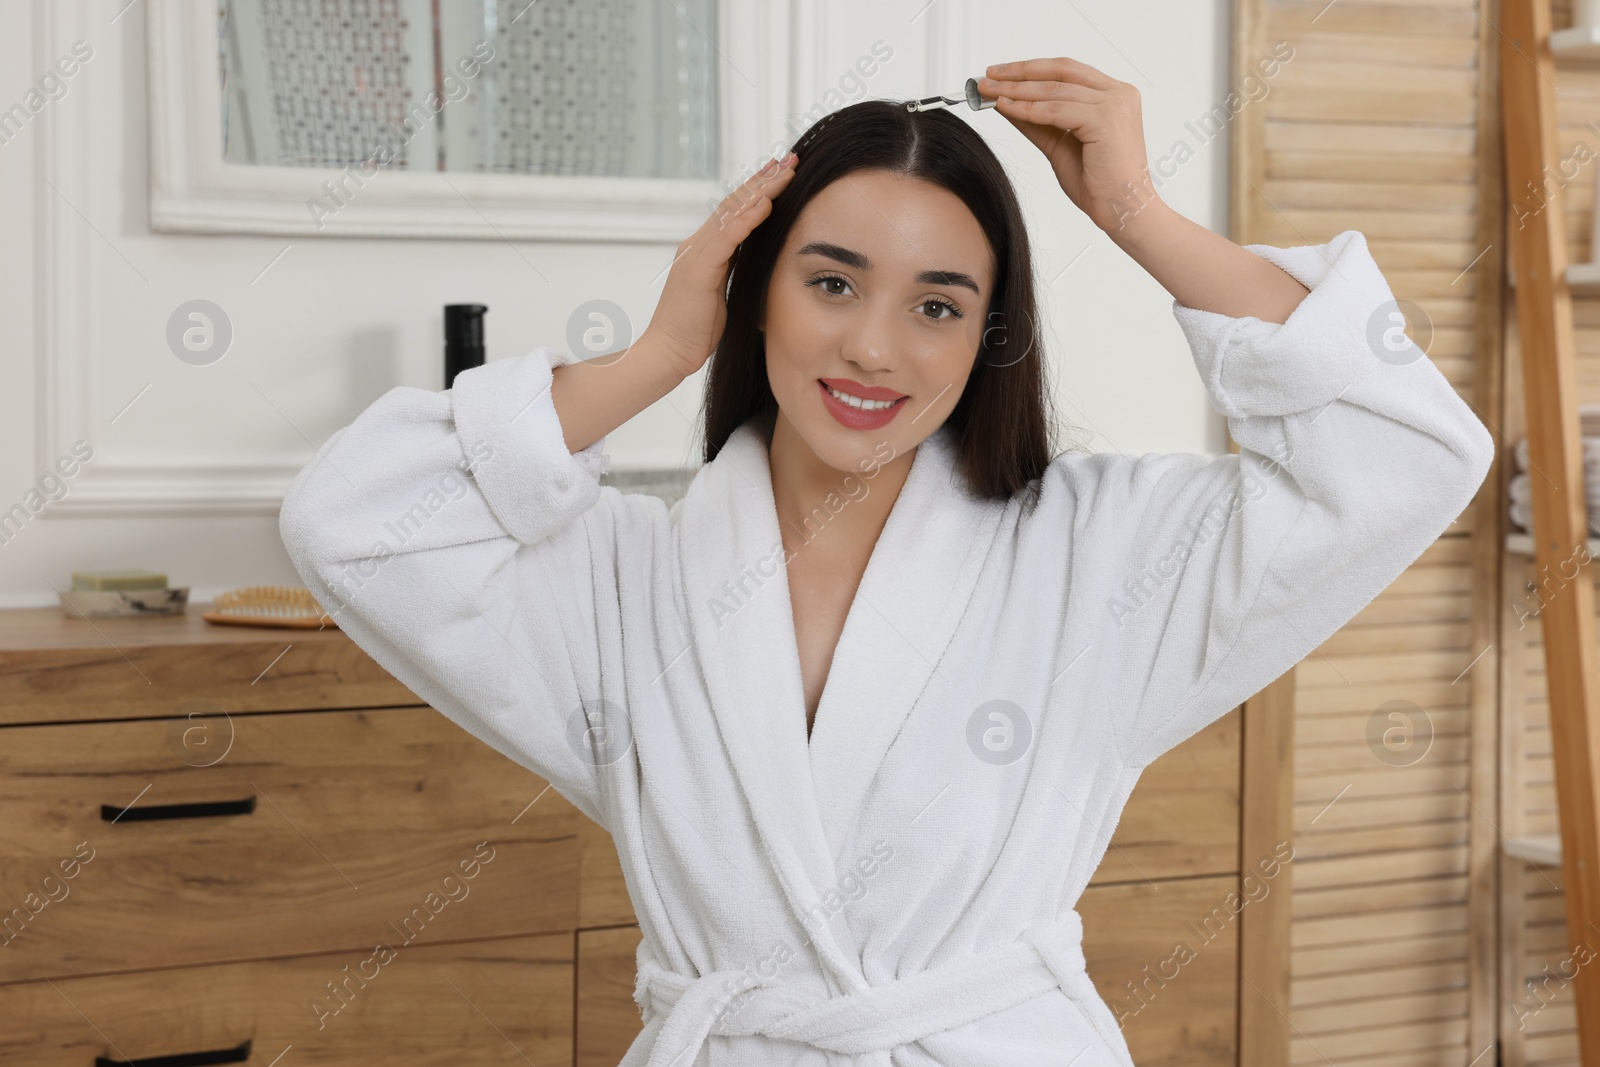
<point>918,581</point>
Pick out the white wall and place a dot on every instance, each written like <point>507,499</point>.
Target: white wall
<point>336,322</point>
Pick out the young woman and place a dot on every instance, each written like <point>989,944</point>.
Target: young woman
<point>862,710</point>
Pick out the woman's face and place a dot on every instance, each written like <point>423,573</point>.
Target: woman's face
<point>880,292</point>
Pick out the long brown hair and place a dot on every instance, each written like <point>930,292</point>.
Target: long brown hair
<point>1001,424</point>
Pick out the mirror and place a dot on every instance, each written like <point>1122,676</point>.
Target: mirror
<point>495,120</point>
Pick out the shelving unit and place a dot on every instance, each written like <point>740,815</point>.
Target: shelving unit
<point>1576,43</point>
<point>1584,278</point>
<point>1549,375</point>
<point>1521,544</point>
<point>1541,850</point>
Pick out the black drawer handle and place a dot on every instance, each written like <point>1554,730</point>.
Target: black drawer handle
<point>197,810</point>
<point>182,1059</point>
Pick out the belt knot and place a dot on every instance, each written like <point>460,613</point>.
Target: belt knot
<point>871,1019</point>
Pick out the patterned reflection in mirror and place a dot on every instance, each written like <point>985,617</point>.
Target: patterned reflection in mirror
<point>595,88</point>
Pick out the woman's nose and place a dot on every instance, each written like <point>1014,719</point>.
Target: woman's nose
<point>872,339</point>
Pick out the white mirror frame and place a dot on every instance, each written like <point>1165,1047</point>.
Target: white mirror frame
<point>192,190</point>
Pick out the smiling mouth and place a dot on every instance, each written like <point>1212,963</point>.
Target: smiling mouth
<point>859,402</point>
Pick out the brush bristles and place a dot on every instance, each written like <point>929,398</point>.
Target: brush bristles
<point>270,600</point>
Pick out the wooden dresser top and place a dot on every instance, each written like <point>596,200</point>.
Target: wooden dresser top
<point>55,668</point>
<point>40,628</point>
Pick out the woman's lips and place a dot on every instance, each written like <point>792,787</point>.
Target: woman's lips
<point>858,418</point>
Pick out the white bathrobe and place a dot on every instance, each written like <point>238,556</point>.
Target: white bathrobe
<point>899,890</point>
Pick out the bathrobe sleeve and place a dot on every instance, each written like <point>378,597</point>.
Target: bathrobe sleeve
<point>455,538</point>
<point>1219,574</point>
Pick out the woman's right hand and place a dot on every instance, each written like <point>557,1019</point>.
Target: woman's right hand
<point>690,315</point>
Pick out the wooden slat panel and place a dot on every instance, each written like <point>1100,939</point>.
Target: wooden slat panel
<point>1385,121</point>
<point>1339,138</point>
<point>1397,981</point>
<point>1430,892</point>
<point>1427,1037</point>
<point>1438,772</point>
<point>1383,1011</point>
<point>1368,814</point>
<point>1321,773</point>
<point>1303,226</point>
<point>1368,166</point>
<point>1391,610</point>
<point>1322,843</point>
<point>1320,92</point>
<point>1414,53</point>
<point>1379,956</point>
<point>1443,20</point>
<point>1445,197</point>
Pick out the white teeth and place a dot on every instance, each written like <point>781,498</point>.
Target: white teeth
<point>857,402</point>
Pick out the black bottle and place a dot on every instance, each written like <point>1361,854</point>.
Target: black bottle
<point>463,339</point>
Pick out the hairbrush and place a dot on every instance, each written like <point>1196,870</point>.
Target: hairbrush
<point>270,605</point>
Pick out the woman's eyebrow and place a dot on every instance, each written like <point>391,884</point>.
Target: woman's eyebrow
<point>851,258</point>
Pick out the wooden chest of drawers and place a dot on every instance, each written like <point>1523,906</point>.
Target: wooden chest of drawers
<point>240,845</point>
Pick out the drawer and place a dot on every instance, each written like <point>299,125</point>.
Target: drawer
<point>55,669</point>
<point>1178,1008</point>
<point>608,1019</point>
<point>308,832</point>
<point>602,890</point>
<point>505,1002</point>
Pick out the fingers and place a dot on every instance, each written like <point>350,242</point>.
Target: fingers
<point>1041,90</point>
<point>1061,68</point>
<point>1078,118</point>
<point>706,253</point>
<point>742,209</point>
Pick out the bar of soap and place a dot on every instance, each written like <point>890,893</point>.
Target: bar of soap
<point>83,581</point>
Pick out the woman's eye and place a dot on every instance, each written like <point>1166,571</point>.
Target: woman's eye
<point>939,306</point>
<point>828,279</point>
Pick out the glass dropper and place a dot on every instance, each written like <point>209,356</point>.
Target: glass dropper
<point>972,99</point>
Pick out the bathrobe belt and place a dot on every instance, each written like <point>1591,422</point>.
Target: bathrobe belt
<point>876,1018</point>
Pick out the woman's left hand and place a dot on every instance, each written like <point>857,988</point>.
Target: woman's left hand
<point>1088,125</point>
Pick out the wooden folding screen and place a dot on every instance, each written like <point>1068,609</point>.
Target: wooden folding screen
<point>1384,119</point>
